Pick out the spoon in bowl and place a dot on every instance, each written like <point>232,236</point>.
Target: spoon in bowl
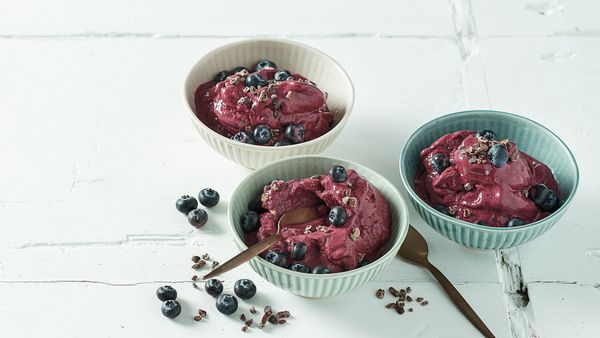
<point>415,250</point>
<point>296,216</point>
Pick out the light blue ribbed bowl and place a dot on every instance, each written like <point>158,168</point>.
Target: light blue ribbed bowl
<point>531,137</point>
<point>306,284</point>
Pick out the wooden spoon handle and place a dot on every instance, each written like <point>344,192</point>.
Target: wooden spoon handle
<point>460,302</point>
<point>244,256</point>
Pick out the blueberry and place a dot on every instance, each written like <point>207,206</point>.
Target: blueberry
<point>197,217</point>
<point>299,267</point>
<point>265,64</point>
<point>298,251</point>
<point>482,223</point>
<point>498,155</point>
<point>244,288</point>
<point>256,206</point>
<point>544,198</point>
<point>243,137</point>
<point>255,80</point>
<point>442,208</point>
<point>186,203</point>
<point>282,75</point>
<point>487,134</point>
<point>213,287</point>
<point>338,216</point>
<point>363,263</point>
<point>262,134</point>
<point>166,293</point>
<point>227,304</point>
<point>277,258</point>
<point>222,75</point>
<point>238,69</point>
<point>208,197</point>
<point>294,133</point>
<point>515,222</point>
<point>439,162</point>
<point>338,173</point>
<point>250,222</point>
<point>281,143</point>
<point>320,270</point>
<point>170,308</point>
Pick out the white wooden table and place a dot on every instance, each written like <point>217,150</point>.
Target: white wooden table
<point>96,145</point>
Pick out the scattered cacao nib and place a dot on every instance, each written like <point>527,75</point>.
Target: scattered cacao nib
<point>423,303</point>
<point>273,319</point>
<point>419,299</point>
<point>390,305</point>
<point>198,265</point>
<point>380,293</point>
<point>408,289</point>
<point>400,310</point>
<point>281,321</point>
<point>283,314</point>
<point>402,293</point>
<point>249,322</point>
<point>410,309</point>
<point>195,259</point>
<point>409,299</point>
<point>268,309</point>
<point>393,291</point>
<point>195,278</point>
<point>265,317</point>
<point>399,303</point>
<point>201,314</point>
<point>206,257</point>
<point>244,328</point>
<point>243,317</point>
<point>195,286</point>
<point>253,310</point>
<point>214,264</point>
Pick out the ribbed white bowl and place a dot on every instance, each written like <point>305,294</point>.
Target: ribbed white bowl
<point>311,63</point>
<point>306,284</point>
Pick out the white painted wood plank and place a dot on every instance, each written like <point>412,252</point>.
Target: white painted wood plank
<point>554,81</point>
<point>536,17</point>
<point>225,18</point>
<point>92,310</point>
<point>565,310</point>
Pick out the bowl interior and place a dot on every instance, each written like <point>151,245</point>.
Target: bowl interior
<point>306,166</point>
<point>311,63</point>
<point>530,137</point>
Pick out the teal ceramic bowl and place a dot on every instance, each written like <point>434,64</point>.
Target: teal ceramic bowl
<point>531,137</point>
<point>306,284</point>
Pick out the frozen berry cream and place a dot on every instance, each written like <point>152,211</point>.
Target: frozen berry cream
<point>353,222</point>
<point>478,178</point>
<point>265,106</point>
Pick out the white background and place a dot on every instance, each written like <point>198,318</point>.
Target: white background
<point>96,145</point>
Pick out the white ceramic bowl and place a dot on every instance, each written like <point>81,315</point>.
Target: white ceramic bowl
<point>311,63</point>
<point>307,284</point>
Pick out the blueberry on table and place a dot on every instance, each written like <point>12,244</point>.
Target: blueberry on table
<point>544,198</point>
<point>498,155</point>
<point>277,258</point>
<point>255,80</point>
<point>294,133</point>
<point>282,75</point>
<point>166,293</point>
<point>299,267</point>
<point>487,134</point>
<point>222,75</point>
<point>238,69</point>
<point>338,173</point>
<point>515,222</point>
<point>244,288</point>
<point>213,287</point>
<point>197,217</point>
<point>243,137</point>
<point>262,134</point>
<point>281,143</point>
<point>439,162</point>
<point>186,203</point>
<point>320,270</point>
<point>208,197</point>
<point>298,251</point>
<point>265,64</point>
<point>338,216</point>
<point>250,221</point>
<point>227,304</point>
<point>442,208</point>
<point>170,308</point>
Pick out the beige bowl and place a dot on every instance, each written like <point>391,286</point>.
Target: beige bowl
<point>311,63</point>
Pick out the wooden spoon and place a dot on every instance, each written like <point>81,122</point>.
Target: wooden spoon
<point>415,250</point>
<point>296,216</point>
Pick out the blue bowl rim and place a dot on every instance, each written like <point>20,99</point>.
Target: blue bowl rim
<point>466,113</point>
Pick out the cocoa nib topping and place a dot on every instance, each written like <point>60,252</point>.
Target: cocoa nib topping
<point>380,293</point>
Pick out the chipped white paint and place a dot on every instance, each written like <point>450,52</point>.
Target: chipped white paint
<point>96,146</point>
